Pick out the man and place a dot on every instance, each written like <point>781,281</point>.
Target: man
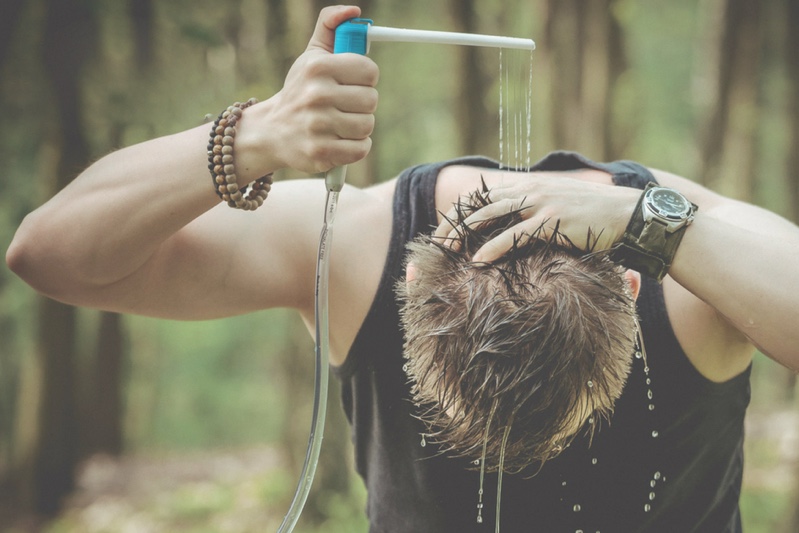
<point>130,232</point>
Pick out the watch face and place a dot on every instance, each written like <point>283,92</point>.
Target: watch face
<point>668,203</point>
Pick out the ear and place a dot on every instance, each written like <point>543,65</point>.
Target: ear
<point>634,279</point>
<point>410,273</point>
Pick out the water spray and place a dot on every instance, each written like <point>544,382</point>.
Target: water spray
<point>355,36</point>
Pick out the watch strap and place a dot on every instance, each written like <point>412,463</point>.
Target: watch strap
<point>647,247</point>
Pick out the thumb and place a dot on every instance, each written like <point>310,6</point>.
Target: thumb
<point>324,34</point>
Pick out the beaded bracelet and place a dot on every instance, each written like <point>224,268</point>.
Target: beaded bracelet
<point>220,162</point>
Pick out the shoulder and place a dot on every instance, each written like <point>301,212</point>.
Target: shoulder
<point>359,244</point>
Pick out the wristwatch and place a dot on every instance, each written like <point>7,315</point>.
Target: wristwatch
<point>654,231</point>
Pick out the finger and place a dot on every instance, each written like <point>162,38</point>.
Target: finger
<point>349,151</point>
<point>498,246</point>
<point>538,227</point>
<point>355,69</point>
<point>486,213</point>
<point>498,209</point>
<point>354,126</point>
<point>355,99</point>
<point>443,232</point>
<point>324,35</point>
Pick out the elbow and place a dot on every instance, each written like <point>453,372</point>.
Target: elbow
<point>28,257</point>
<point>19,254</point>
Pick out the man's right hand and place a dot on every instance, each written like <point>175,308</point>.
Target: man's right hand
<point>324,115</point>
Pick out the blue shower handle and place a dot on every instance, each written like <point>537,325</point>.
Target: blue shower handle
<point>350,37</point>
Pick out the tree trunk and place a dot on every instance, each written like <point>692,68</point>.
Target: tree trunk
<point>56,452</point>
<point>141,18</point>
<point>472,117</point>
<point>791,10</point>
<point>792,69</point>
<point>278,44</point>
<point>583,41</point>
<point>102,415</point>
<point>69,39</point>
<point>8,23</point>
<point>729,147</point>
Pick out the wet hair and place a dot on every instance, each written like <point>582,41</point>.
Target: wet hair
<point>533,343</point>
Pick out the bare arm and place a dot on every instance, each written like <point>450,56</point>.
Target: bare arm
<point>138,230</point>
<point>744,262</point>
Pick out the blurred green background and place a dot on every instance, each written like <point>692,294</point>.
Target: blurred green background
<point>115,423</point>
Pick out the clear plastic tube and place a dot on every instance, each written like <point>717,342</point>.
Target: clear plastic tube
<point>322,331</point>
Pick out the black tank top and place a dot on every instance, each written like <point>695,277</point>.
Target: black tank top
<point>670,460</point>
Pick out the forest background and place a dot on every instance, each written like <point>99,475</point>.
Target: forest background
<point>121,423</point>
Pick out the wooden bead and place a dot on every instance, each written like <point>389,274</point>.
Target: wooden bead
<point>222,167</point>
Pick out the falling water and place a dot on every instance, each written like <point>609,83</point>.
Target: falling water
<point>499,475</point>
<point>515,108</point>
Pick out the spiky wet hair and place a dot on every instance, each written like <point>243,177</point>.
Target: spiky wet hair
<point>537,341</point>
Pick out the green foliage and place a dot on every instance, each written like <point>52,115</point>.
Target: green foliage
<point>207,384</point>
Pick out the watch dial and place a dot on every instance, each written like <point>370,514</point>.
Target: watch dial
<point>668,202</point>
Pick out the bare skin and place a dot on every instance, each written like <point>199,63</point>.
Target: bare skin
<point>141,230</point>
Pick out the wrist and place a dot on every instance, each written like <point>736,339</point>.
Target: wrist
<point>654,231</point>
<point>255,148</point>
<point>222,159</point>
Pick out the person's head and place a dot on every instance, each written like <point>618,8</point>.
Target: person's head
<point>538,341</point>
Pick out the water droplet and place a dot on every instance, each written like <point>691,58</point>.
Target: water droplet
<point>657,475</point>
<point>655,434</point>
<point>651,407</point>
<point>579,531</point>
<point>479,519</point>
<point>648,381</point>
<point>594,461</point>
<point>405,367</point>
<point>424,442</point>
<point>653,483</point>
<point>646,370</point>
<point>590,384</point>
<point>563,484</point>
<point>651,496</point>
<point>576,508</point>
<point>476,462</point>
<point>649,394</point>
<point>479,505</point>
<point>647,508</point>
<point>638,355</point>
<point>591,420</point>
